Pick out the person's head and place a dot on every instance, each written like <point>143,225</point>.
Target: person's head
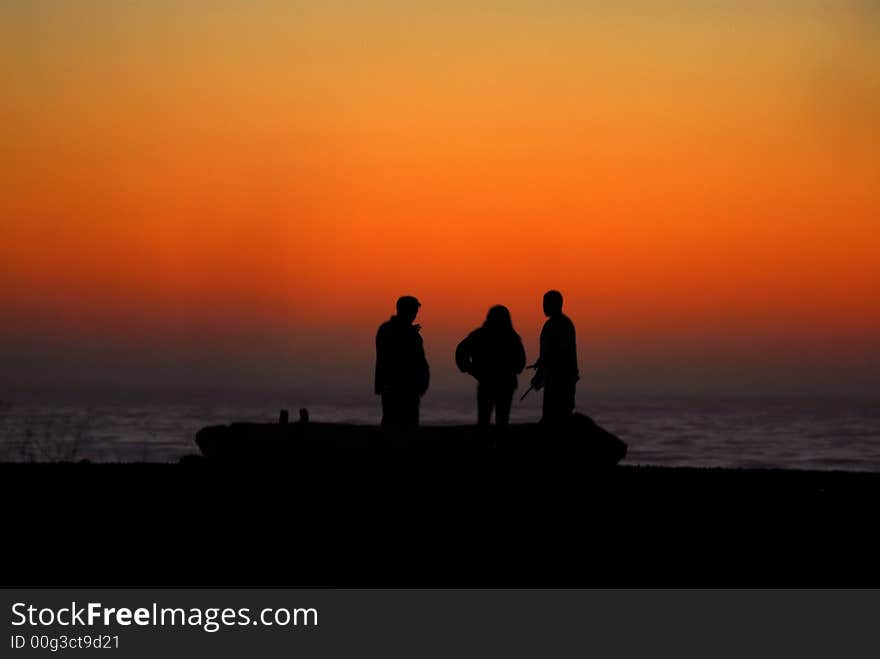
<point>498,319</point>
<point>552,303</point>
<point>408,308</point>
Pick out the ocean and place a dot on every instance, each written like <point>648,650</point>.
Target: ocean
<point>747,433</point>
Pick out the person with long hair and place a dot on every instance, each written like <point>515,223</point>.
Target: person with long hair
<point>494,355</point>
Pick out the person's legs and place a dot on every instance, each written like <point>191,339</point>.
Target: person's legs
<point>558,402</point>
<point>566,399</point>
<point>548,411</point>
<point>390,410</point>
<point>484,405</point>
<point>411,410</point>
<point>503,400</point>
<point>400,411</point>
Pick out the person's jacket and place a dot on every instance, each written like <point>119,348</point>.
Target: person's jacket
<point>401,366</point>
<point>557,362</point>
<point>493,358</point>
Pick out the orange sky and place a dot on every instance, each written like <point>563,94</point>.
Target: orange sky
<point>212,174</point>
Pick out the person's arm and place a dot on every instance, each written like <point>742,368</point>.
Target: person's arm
<point>538,377</point>
<point>379,381</point>
<point>463,356</point>
<point>426,371</point>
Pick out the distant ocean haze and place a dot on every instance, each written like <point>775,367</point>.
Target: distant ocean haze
<point>795,433</point>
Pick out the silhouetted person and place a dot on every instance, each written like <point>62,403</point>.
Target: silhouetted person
<point>402,373</point>
<point>494,355</point>
<point>556,370</point>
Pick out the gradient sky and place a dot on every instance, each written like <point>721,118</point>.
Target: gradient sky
<point>231,195</point>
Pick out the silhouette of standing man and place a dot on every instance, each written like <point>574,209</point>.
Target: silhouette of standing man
<point>556,370</point>
<point>494,355</point>
<point>402,373</point>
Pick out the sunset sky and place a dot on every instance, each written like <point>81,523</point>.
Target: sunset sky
<point>222,195</point>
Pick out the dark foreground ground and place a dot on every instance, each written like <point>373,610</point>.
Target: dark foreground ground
<point>394,520</point>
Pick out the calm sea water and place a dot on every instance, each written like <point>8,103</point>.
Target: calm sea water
<point>799,434</point>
